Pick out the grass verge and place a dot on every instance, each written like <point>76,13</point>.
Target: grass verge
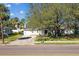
<point>50,40</point>
<point>57,42</point>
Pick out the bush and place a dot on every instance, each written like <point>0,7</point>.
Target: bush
<point>49,34</point>
<point>16,33</point>
<point>40,38</point>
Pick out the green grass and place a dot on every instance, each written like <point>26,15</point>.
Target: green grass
<point>12,38</point>
<point>57,42</point>
<point>49,40</point>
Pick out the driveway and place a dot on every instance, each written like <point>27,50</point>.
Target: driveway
<point>26,41</point>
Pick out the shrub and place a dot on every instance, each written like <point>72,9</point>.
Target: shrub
<point>41,38</point>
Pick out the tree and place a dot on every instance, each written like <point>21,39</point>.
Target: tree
<point>22,22</point>
<point>75,8</point>
<point>54,16</point>
<point>46,16</point>
<point>4,15</point>
<point>14,23</point>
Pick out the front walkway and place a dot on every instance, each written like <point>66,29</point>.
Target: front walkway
<point>29,41</point>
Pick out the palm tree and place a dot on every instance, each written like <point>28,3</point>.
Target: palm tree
<point>4,15</point>
<point>14,22</point>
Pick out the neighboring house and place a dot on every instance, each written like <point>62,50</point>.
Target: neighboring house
<point>7,30</point>
<point>17,30</point>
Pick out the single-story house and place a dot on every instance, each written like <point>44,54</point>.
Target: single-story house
<point>7,30</point>
<point>30,32</point>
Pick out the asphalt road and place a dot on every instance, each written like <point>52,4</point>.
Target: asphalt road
<point>40,50</point>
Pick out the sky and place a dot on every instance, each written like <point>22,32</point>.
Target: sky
<point>19,10</point>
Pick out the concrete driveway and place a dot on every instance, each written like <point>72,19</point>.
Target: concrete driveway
<point>26,41</point>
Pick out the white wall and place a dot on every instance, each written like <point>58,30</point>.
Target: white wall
<point>17,30</point>
<point>29,33</point>
<point>69,32</point>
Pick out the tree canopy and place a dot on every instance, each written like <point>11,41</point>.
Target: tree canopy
<point>4,12</point>
<point>54,16</point>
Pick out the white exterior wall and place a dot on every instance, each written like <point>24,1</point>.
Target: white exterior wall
<point>29,33</point>
<point>69,31</point>
<point>17,30</point>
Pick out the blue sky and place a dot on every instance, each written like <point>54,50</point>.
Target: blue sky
<point>18,9</point>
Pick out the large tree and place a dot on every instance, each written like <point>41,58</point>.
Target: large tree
<point>14,22</point>
<point>46,16</point>
<point>54,17</point>
<point>22,22</point>
<point>4,15</point>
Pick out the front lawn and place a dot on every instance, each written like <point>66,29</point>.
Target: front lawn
<point>12,37</point>
<point>57,42</point>
<point>50,40</point>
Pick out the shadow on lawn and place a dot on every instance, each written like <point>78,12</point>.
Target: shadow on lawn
<point>23,38</point>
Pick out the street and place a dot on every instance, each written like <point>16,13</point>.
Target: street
<point>39,50</point>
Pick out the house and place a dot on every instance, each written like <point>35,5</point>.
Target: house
<point>32,32</point>
<point>7,30</point>
<point>29,32</point>
<point>69,31</point>
<point>63,31</point>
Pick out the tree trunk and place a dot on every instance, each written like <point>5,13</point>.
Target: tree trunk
<point>2,32</point>
<point>57,32</point>
<point>76,30</point>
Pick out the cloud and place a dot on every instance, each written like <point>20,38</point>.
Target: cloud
<point>8,5</point>
<point>11,14</point>
<point>21,12</point>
